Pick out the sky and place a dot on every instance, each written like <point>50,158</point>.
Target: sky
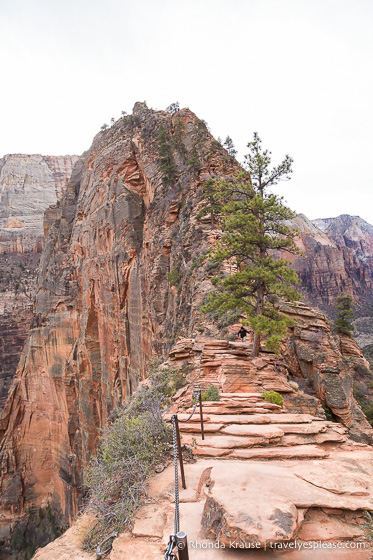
<point>298,72</point>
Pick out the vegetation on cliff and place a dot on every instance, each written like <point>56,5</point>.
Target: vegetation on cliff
<point>254,230</point>
<point>345,314</point>
<point>131,448</point>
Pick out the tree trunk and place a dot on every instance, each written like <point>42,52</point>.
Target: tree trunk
<point>256,345</point>
<point>259,311</point>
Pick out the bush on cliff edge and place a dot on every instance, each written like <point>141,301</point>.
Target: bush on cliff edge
<point>130,449</point>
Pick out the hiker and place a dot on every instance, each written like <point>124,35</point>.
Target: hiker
<point>242,334</point>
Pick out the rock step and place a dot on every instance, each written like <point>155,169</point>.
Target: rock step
<point>271,453</point>
<point>238,395</point>
<point>252,436</point>
<point>232,406</point>
<point>243,428</point>
<point>294,420</point>
<point>230,441</point>
<point>306,439</point>
<point>250,430</point>
<point>237,410</point>
<point>295,452</point>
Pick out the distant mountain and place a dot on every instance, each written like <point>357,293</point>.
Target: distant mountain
<point>338,257</point>
<point>352,232</point>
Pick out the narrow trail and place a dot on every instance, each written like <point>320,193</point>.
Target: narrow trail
<point>263,476</point>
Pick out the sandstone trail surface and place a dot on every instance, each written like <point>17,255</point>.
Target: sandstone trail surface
<point>267,481</point>
<point>29,184</point>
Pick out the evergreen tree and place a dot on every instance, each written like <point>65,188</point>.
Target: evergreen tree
<point>173,108</point>
<point>211,204</point>
<point>229,146</point>
<point>344,314</point>
<point>254,232</point>
<point>167,161</point>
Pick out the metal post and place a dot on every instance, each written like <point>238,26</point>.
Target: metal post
<point>179,452</point>
<point>182,545</point>
<point>201,415</point>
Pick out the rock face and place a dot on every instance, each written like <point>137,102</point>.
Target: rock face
<point>104,302</point>
<point>352,232</point>
<point>328,267</point>
<point>28,185</point>
<point>120,279</point>
<point>337,257</point>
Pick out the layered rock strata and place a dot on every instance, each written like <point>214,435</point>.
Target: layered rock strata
<point>124,232</point>
<point>28,185</point>
<point>267,481</point>
<point>120,278</point>
<point>337,257</point>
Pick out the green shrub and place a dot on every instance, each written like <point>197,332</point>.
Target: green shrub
<point>166,158</point>
<point>328,412</point>
<point>368,525</point>
<point>130,449</point>
<point>174,277</point>
<point>212,394</point>
<point>273,397</point>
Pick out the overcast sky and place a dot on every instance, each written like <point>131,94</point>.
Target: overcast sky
<point>299,72</point>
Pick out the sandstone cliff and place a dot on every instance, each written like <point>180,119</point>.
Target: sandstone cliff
<point>120,279</point>
<point>357,235</point>
<point>350,231</point>
<point>104,302</point>
<point>28,185</point>
<point>337,257</point>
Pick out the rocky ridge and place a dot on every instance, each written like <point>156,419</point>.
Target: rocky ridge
<point>104,302</point>
<point>266,481</point>
<point>121,277</point>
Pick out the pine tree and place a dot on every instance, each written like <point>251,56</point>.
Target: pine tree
<point>345,314</point>
<point>254,235</point>
<point>167,162</point>
<point>229,146</point>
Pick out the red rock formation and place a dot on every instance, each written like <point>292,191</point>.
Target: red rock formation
<point>352,232</point>
<point>326,267</point>
<point>337,258</point>
<point>104,304</point>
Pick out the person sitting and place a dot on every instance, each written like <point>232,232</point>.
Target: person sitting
<point>242,334</point>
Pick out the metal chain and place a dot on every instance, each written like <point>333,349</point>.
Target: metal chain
<point>177,515</point>
<point>194,409</point>
<point>169,555</point>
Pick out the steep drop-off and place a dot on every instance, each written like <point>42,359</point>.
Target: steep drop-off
<point>104,302</point>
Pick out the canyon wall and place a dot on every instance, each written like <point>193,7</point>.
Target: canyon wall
<point>337,257</point>
<point>28,185</point>
<point>116,286</point>
<point>121,277</point>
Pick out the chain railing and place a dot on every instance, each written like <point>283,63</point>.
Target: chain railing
<point>179,538</point>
